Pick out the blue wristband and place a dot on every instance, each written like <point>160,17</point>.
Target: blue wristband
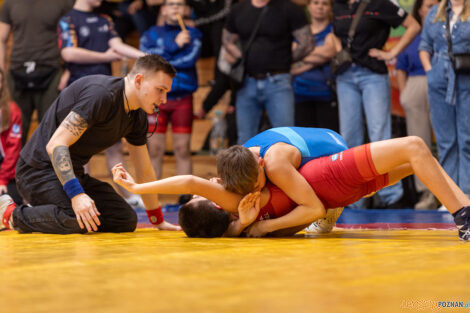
<point>73,188</point>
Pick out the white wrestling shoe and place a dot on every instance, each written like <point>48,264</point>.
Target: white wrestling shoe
<point>7,205</point>
<point>326,224</point>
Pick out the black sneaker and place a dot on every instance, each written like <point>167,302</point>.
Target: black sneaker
<point>462,220</point>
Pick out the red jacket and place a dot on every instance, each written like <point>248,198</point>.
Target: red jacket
<point>10,146</point>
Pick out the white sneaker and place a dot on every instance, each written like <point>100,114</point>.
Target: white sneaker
<point>6,205</point>
<point>135,201</point>
<point>326,224</point>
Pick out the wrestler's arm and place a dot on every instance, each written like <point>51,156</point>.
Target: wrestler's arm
<point>181,184</point>
<point>281,163</point>
<point>144,172</point>
<point>68,132</point>
<point>248,211</point>
<point>287,231</point>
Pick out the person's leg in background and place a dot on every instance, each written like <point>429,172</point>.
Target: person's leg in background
<point>156,141</point>
<point>181,125</point>
<point>25,101</point>
<point>279,99</point>
<point>305,114</point>
<point>414,100</point>
<point>376,95</point>
<point>463,131</point>
<point>444,120</point>
<point>326,115</point>
<point>212,37</point>
<point>350,108</point>
<point>115,155</point>
<point>351,112</point>
<point>44,99</point>
<point>248,110</point>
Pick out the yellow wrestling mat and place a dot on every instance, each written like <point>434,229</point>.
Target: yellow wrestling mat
<point>155,271</point>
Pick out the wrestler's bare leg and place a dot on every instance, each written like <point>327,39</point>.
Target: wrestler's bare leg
<point>401,157</point>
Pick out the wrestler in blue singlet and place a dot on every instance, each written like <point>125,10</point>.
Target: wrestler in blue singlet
<point>311,142</point>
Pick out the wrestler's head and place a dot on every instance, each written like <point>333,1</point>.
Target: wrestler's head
<point>150,79</point>
<point>240,170</point>
<point>201,218</point>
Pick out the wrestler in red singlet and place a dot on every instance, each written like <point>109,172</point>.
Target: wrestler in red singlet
<point>338,180</point>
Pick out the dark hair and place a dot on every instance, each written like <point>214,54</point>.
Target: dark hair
<point>153,63</point>
<point>415,11</point>
<point>238,169</point>
<point>202,219</point>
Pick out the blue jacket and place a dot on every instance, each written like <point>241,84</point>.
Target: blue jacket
<point>161,40</point>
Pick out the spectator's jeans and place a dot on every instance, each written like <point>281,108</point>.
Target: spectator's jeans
<point>451,122</point>
<point>273,94</point>
<point>363,92</point>
<point>51,210</point>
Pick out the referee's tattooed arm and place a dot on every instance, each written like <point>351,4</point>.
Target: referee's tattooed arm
<point>62,164</point>
<point>68,132</point>
<point>75,124</point>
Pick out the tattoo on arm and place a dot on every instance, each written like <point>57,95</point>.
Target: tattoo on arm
<point>75,124</point>
<point>62,164</point>
<point>305,43</point>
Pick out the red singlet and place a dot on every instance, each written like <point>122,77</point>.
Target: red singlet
<point>338,180</point>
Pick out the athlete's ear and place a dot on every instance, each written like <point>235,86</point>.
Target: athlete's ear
<point>260,161</point>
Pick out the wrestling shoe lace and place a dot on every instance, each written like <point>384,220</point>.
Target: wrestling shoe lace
<point>326,224</point>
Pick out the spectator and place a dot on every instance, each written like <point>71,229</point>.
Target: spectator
<point>10,141</point>
<point>267,84</point>
<point>364,88</point>
<point>449,93</point>
<point>34,75</point>
<point>314,99</point>
<point>133,15</point>
<point>181,47</point>
<point>88,44</point>
<point>210,20</point>
<point>413,88</point>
